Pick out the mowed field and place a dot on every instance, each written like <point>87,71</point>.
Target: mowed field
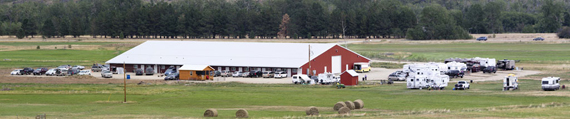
<point>159,99</point>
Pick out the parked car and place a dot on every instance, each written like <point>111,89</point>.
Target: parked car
<point>236,74</point>
<point>15,72</point>
<point>490,69</point>
<point>462,85</point>
<point>216,73</point>
<point>73,71</point>
<point>268,74</point>
<point>149,71</point>
<point>106,74</point>
<point>455,73</point>
<point>79,67</point>
<point>538,39</point>
<point>397,76</point>
<point>40,71</point>
<point>64,67</point>
<point>26,71</point>
<point>172,76</point>
<point>170,70</point>
<point>139,72</point>
<point>244,74</point>
<point>84,72</point>
<point>62,72</point>
<point>225,73</point>
<point>255,74</point>
<point>280,74</point>
<point>52,72</point>
<point>97,68</point>
<point>484,38</point>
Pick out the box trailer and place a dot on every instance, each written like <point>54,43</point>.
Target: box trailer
<point>506,64</point>
<point>510,82</point>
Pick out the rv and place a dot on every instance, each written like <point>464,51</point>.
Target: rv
<point>425,75</point>
<point>328,78</point>
<point>510,82</point>
<point>361,67</point>
<point>506,64</point>
<point>300,79</point>
<point>550,83</point>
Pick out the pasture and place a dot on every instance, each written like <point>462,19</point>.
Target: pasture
<point>190,100</point>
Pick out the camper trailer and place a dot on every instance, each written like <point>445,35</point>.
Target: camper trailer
<point>550,83</point>
<point>425,75</point>
<point>506,64</point>
<point>510,82</point>
<point>328,78</point>
<point>361,67</point>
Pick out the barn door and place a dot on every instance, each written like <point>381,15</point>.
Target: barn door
<point>336,64</point>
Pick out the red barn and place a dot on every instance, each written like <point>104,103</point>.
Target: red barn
<point>292,58</point>
<point>349,78</point>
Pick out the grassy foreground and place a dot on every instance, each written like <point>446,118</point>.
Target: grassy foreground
<point>485,99</point>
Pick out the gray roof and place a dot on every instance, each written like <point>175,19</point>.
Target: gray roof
<point>252,54</point>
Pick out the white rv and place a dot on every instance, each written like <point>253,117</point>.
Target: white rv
<point>485,62</point>
<point>300,79</point>
<point>328,78</point>
<point>510,82</point>
<point>425,76</point>
<point>550,83</point>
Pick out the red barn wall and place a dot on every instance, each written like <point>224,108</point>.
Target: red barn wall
<point>347,57</point>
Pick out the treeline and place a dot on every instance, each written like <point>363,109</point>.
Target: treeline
<point>413,19</point>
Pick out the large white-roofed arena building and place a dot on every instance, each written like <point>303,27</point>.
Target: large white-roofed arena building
<point>292,58</point>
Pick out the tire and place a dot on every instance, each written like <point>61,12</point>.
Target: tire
<point>468,87</point>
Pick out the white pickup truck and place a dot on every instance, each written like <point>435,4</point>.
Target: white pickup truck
<point>462,85</point>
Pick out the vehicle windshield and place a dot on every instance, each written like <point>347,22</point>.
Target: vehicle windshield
<point>17,70</point>
<point>461,82</point>
<point>544,82</point>
<point>106,71</point>
<point>265,72</point>
<point>84,71</point>
<point>173,74</point>
<point>39,69</point>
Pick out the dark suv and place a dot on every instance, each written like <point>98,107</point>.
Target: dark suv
<point>490,69</point>
<point>26,71</point>
<point>40,71</point>
<point>139,72</point>
<point>149,71</point>
<point>455,74</point>
<point>73,71</point>
<point>255,74</point>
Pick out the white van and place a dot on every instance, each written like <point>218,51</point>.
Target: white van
<point>300,79</point>
<point>550,83</point>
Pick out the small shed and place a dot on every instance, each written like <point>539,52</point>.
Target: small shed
<point>195,72</point>
<point>349,78</point>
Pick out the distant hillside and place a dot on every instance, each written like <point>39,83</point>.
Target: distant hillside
<point>9,2</point>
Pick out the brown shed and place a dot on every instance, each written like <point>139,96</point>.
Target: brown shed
<point>195,72</point>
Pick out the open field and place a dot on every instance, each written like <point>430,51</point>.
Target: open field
<point>87,97</point>
<point>189,100</point>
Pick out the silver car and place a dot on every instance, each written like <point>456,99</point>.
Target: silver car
<point>244,74</point>
<point>106,74</point>
<point>236,74</point>
<point>397,76</point>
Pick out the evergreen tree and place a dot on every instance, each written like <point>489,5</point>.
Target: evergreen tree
<point>48,29</point>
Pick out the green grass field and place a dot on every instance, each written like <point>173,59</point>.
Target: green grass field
<point>484,99</point>
<point>526,52</point>
<point>53,43</point>
<point>53,58</point>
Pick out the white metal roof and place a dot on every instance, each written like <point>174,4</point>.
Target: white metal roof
<point>252,54</point>
<point>351,72</point>
<point>193,67</point>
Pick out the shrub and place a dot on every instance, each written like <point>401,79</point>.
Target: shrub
<point>564,32</point>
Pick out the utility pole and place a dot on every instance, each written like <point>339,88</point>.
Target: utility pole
<point>125,81</point>
<point>309,61</point>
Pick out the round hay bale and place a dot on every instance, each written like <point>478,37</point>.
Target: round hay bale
<point>350,105</point>
<point>344,110</point>
<point>242,113</point>
<point>338,105</point>
<point>358,104</point>
<point>211,113</point>
<point>312,111</point>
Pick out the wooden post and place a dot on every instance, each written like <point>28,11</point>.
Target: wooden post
<point>125,81</point>
<point>309,74</point>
